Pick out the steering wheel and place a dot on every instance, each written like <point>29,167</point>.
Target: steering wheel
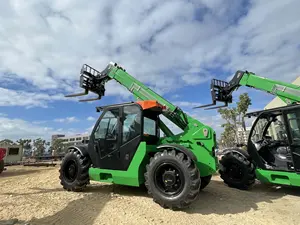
<point>262,143</point>
<point>266,141</point>
<point>271,143</point>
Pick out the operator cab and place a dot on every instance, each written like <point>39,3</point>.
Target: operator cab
<point>119,131</point>
<point>274,139</point>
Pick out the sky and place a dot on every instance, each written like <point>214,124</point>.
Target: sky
<point>175,47</point>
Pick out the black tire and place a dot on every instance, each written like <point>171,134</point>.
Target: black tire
<point>74,171</point>
<point>1,166</point>
<point>237,171</point>
<point>185,175</point>
<point>205,181</point>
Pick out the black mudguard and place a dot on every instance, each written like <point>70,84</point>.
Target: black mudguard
<point>83,149</point>
<point>242,152</point>
<point>180,148</point>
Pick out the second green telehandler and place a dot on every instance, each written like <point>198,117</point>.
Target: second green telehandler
<point>273,147</point>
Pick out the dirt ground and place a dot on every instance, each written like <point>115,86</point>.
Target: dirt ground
<point>34,196</point>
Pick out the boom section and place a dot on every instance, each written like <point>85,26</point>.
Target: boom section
<point>94,81</point>
<point>142,92</point>
<point>287,92</point>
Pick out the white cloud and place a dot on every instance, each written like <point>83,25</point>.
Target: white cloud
<point>162,44</point>
<point>257,44</point>
<point>113,89</point>
<point>186,104</point>
<point>12,128</point>
<point>39,122</point>
<point>150,41</point>
<point>89,130</point>
<point>27,99</point>
<point>90,118</point>
<point>66,120</point>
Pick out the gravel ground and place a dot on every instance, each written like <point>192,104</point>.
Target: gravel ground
<point>32,195</point>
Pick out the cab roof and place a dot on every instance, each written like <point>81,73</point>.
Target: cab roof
<point>146,105</point>
<point>273,111</point>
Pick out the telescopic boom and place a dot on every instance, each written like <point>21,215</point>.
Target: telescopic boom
<point>94,81</point>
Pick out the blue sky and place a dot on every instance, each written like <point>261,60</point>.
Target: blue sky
<point>176,47</point>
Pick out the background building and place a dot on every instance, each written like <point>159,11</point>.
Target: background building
<point>73,139</point>
<point>14,153</point>
<point>55,136</point>
<point>243,135</point>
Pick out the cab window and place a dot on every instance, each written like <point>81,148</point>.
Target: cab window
<point>294,124</point>
<point>149,126</point>
<point>107,128</point>
<point>131,123</point>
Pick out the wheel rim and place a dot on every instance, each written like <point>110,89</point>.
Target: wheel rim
<point>70,171</point>
<point>169,179</point>
<point>235,172</point>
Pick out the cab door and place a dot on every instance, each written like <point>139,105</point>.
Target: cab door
<point>105,139</point>
<point>131,133</point>
<point>292,120</point>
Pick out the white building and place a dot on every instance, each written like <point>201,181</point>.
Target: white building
<point>243,135</point>
<point>73,139</point>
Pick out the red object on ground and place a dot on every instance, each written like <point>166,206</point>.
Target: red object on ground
<point>2,153</point>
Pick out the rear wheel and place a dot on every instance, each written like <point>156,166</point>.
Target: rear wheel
<point>237,171</point>
<point>172,179</point>
<point>1,166</point>
<point>74,171</point>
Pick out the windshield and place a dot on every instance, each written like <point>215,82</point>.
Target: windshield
<point>258,129</point>
<point>294,123</point>
<point>272,127</point>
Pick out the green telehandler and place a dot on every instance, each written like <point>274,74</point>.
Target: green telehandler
<point>273,146</point>
<point>126,148</point>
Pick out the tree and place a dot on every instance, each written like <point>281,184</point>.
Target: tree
<point>234,118</point>
<point>26,146</point>
<point>7,142</point>
<point>230,127</point>
<point>242,108</point>
<point>58,146</point>
<point>228,137</point>
<point>39,146</point>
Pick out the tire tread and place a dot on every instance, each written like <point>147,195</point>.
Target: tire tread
<point>194,173</point>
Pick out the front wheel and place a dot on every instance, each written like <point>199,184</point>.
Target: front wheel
<point>74,171</point>
<point>237,171</point>
<point>172,179</point>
